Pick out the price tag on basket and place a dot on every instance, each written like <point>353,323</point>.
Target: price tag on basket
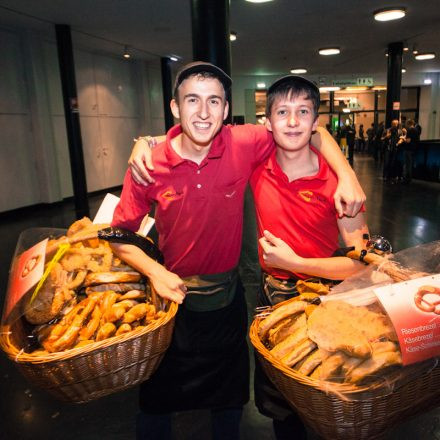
<point>414,309</point>
<point>25,273</point>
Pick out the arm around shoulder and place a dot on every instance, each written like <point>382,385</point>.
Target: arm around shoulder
<point>349,196</point>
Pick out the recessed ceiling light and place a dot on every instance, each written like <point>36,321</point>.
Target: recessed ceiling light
<point>261,85</point>
<point>329,89</point>
<point>174,58</point>
<point>403,70</point>
<point>233,36</point>
<point>298,71</point>
<point>329,51</point>
<point>126,53</point>
<point>389,14</point>
<point>259,1</point>
<point>425,56</point>
<point>427,81</point>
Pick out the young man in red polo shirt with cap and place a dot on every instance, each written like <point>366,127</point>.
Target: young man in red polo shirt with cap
<point>298,224</point>
<point>200,173</point>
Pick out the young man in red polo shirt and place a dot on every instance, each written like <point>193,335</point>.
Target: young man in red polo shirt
<point>298,224</point>
<point>201,172</point>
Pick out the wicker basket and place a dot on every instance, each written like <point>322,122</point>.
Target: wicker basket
<point>348,412</point>
<point>87,373</point>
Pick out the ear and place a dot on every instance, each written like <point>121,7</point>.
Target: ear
<point>268,124</point>
<point>226,110</point>
<point>315,124</point>
<point>175,108</point>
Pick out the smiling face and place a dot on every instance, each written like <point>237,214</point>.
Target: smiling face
<point>292,120</point>
<point>202,107</point>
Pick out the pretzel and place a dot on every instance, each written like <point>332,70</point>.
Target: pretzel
<point>107,330</point>
<point>135,313</point>
<point>133,294</point>
<point>59,329</point>
<point>124,328</point>
<point>69,337</point>
<point>89,330</point>
<point>112,277</point>
<point>107,300</point>
<point>423,304</point>
<point>117,310</point>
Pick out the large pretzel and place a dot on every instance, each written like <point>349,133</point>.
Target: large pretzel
<point>423,304</point>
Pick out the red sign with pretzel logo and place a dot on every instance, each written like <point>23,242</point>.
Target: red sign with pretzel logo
<point>414,309</point>
<point>26,272</point>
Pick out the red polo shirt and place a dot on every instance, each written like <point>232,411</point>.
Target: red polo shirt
<point>199,208</point>
<point>301,212</point>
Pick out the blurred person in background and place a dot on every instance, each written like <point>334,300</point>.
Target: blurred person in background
<point>392,139</point>
<point>409,148</point>
<point>361,138</point>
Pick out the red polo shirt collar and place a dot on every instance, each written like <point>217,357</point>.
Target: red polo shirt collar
<point>273,166</point>
<point>215,151</point>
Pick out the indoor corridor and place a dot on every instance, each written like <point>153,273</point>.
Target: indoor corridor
<point>407,215</point>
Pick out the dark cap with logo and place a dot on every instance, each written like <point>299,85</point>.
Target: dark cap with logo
<point>292,78</point>
<point>200,67</point>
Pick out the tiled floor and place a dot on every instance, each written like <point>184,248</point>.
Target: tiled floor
<point>406,214</point>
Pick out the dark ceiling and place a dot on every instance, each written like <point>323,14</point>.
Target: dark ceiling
<point>272,37</point>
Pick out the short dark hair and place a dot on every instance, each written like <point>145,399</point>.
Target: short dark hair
<point>292,86</point>
<point>410,122</point>
<point>202,69</point>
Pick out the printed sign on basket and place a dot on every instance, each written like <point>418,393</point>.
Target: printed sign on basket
<point>26,272</point>
<point>414,309</point>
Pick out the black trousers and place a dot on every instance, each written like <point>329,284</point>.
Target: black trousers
<point>207,364</point>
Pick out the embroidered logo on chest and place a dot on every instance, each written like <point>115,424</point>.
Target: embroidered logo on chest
<point>171,194</point>
<point>306,195</point>
<point>310,197</point>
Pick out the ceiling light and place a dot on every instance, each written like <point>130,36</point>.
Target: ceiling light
<point>329,51</point>
<point>405,47</point>
<point>174,58</point>
<point>233,36</point>
<point>346,110</point>
<point>427,81</point>
<point>126,53</point>
<point>425,56</point>
<point>298,71</point>
<point>389,14</point>
<point>403,70</point>
<point>258,1</point>
<point>261,85</point>
<point>329,89</point>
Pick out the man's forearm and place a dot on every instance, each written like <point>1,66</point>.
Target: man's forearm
<point>328,147</point>
<point>167,284</point>
<point>334,268</point>
<point>136,258</point>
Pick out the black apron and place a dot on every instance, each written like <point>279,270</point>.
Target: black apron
<point>207,363</point>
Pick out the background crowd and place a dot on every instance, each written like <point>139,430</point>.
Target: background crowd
<point>392,148</point>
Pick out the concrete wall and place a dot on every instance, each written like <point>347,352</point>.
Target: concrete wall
<point>118,99</point>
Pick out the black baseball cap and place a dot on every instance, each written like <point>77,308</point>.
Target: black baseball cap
<point>288,78</point>
<point>199,67</point>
